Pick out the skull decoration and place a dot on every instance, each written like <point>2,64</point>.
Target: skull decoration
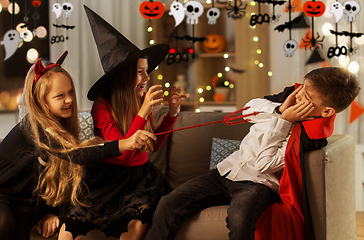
<point>290,46</point>
<point>67,8</point>
<point>193,10</point>
<point>351,9</point>
<point>213,14</point>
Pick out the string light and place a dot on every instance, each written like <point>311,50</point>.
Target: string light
<point>208,87</point>
<point>160,77</point>
<point>201,99</point>
<point>231,85</point>
<point>200,90</point>
<point>10,8</point>
<point>259,51</point>
<point>353,67</point>
<point>41,32</point>
<point>270,73</point>
<point>150,29</point>
<point>197,110</point>
<point>32,55</point>
<point>256,62</point>
<point>255,39</point>
<point>219,74</point>
<point>227,69</point>
<point>1,8</point>
<point>226,56</point>
<point>167,84</point>
<point>156,68</point>
<point>166,93</point>
<point>151,42</point>
<point>226,83</point>
<point>261,65</point>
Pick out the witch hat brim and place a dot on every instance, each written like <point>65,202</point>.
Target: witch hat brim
<point>116,51</point>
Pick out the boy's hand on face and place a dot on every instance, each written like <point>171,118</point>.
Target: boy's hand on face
<point>298,112</point>
<point>290,100</point>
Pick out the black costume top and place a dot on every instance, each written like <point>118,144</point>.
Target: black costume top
<point>20,167</point>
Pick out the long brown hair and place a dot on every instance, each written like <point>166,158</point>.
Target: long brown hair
<point>125,104</point>
<point>60,181</point>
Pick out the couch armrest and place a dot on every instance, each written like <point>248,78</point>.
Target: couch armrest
<point>330,179</point>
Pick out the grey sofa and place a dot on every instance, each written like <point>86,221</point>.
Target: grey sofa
<point>330,181</point>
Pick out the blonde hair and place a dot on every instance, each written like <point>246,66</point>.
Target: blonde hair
<point>124,102</point>
<point>60,181</point>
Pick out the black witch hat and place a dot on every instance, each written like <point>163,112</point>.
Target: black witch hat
<point>116,51</point>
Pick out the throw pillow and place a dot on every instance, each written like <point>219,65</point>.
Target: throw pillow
<point>86,126</point>
<point>221,149</point>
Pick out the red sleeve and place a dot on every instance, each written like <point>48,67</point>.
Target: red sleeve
<point>105,126</point>
<point>166,125</point>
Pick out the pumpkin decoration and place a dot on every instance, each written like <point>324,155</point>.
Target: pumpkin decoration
<point>219,97</point>
<point>37,3</point>
<point>214,43</point>
<point>314,8</point>
<point>151,9</point>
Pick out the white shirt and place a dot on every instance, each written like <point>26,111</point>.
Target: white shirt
<point>261,155</point>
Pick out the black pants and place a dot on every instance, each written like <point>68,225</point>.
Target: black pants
<point>247,200</point>
<point>16,220</point>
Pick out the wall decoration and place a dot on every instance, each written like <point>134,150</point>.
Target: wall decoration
<point>315,57</point>
<point>313,9</point>
<point>212,15</point>
<point>57,9</point>
<point>236,11</point>
<point>259,18</point>
<point>193,10</point>
<point>66,8</point>
<point>290,45</point>
<point>350,9</point>
<point>11,42</point>
<point>295,6</point>
<point>356,110</point>
<point>178,12</point>
<point>151,9</point>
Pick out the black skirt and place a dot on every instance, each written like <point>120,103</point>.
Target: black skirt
<point>116,196</point>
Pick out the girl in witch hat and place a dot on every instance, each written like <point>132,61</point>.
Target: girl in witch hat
<point>40,157</point>
<point>124,191</point>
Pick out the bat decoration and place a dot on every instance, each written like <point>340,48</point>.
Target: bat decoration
<point>288,25</point>
<point>189,38</point>
<point>347,34</point>
<point>195,39</point>
<point>63,26</point>
<point>290,45</point>
<point>275,18</point>
<point>237,70</point>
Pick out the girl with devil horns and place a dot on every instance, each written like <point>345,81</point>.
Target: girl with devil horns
<point>124,191</point>
<point>41,158</point>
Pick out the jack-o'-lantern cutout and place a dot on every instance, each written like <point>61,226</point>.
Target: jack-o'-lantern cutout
<point>151,9</point>
<point>214,43</point>
<point>219,97</point>
<point>37,3</point>
<point>314,8</point>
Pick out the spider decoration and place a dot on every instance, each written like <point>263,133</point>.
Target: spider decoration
<point>312,42</point>
<point>236,11</point>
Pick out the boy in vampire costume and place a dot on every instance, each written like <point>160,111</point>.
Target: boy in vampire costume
<point>268,162</point>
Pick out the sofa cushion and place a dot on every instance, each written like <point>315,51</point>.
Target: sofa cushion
<point>221,149</point>
<point>86,126</point>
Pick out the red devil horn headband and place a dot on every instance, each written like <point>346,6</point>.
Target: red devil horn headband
<point>40,70</point>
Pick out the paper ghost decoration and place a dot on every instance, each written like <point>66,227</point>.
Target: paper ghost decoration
<point>67,8</point>
<point>57,9</point>
<point>178,12</point>
<point>11,42</point>
<point>337,10</point>
<point>193,10</point>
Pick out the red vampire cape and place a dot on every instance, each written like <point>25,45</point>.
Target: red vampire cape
<point>290,218</point>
